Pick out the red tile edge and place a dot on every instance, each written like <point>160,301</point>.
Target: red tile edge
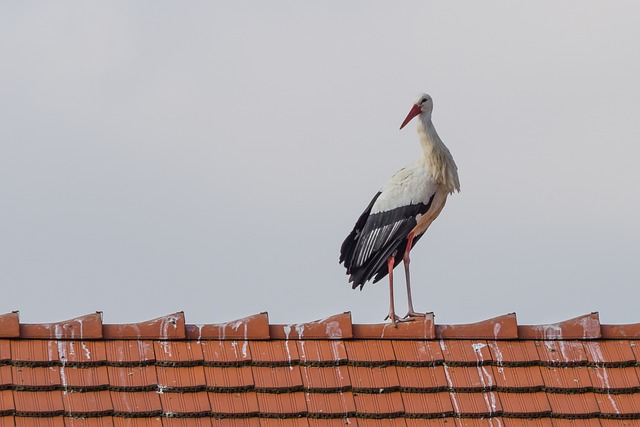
<point>498,328</point>
<point>420,328</point>
<point>255,327</point>
<point>334,327</point>
<point>83,327</point>
<point>579,328</point>
<point>10,325</point>
<point>169,327</point>
<point>630,331</point>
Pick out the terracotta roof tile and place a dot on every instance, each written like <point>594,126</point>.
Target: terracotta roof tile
<point>518,378</point>
<point>35,378</point>
<point>87,404</point>
<point>5,351</point>
<point>136,404</point>
<point>470,378</point>
<point>237,404</point>
<point>562,353</point>
<point>284,422</point>
<point>186,422</point>
<point>38,403</point>
<point>566,380</point>
<point>417,353</point>
<point>609,353</point>
<point>105,421</point>
<point>132,378</point>
<point>254,327</point>
<point>185,404</point>
<point>154,421</point>
<point>431,422</point>
<point>514,353</point>
<point>319,374</point>
<point>7,405</point>
<point>228,378</point>
<point>178,353</point>
<point>620,331</point>
<point>525,404</point>
<point>278,379</point>
<point>84,379</point>
<point>370,405</point>
<point>275,353</point>
<point>466,352</point>
<point>226,353</point>
<point>581,405</point>
<point>376,379</point>
<point>614,380</point>
<point>181,379</point>
<point>476,404</point>
<point>427,405</point>
<point>129,352</point>
<point>323,405</point>
<point>361,352</point>
<point>423,379</point>
<point>322,353</point>
<point>6,377</point>
<point>281,404</point>
<point>325,378</point>
<point>58,421</point>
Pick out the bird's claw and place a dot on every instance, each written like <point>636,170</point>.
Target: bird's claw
<point>395,319</point>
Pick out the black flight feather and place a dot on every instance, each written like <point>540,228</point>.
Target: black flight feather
<point>375,238</point>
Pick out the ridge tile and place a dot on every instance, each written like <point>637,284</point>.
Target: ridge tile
<point>579,328</point>
<point>331,328</point>
<point>83,327</point>
<point>10,325</point>
<point>501,327</point>
<point>169,327</point>
<point>255,327</point>
<point>416,329</point>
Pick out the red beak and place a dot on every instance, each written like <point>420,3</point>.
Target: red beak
<point>415,110</point>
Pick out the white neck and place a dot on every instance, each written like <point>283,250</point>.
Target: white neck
<point>437,156</point>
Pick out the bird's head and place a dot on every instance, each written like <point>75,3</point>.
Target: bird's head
<point>423,104</point>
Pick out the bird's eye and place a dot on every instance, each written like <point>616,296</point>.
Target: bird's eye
<point>424,100</point>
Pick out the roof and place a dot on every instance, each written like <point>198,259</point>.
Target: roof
<point>327,373</point>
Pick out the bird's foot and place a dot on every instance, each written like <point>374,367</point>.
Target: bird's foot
<point>394,319</point>
<point>412,315</point>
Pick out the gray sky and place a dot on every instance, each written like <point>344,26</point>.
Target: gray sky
<point>211,157</point>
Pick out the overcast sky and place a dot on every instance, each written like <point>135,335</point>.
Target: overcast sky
<point>212,156</point>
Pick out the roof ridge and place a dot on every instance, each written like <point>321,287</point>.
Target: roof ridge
<point>340,326</point>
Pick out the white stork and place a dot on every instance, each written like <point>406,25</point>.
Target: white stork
<point>402,211</point>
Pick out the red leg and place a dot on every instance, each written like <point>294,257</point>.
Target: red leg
<point>406,260</point>
<point>392,312</point>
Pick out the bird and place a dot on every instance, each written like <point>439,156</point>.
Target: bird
<point>401,212</point>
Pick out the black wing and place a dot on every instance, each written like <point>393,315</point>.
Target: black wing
<point>375,238</point>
